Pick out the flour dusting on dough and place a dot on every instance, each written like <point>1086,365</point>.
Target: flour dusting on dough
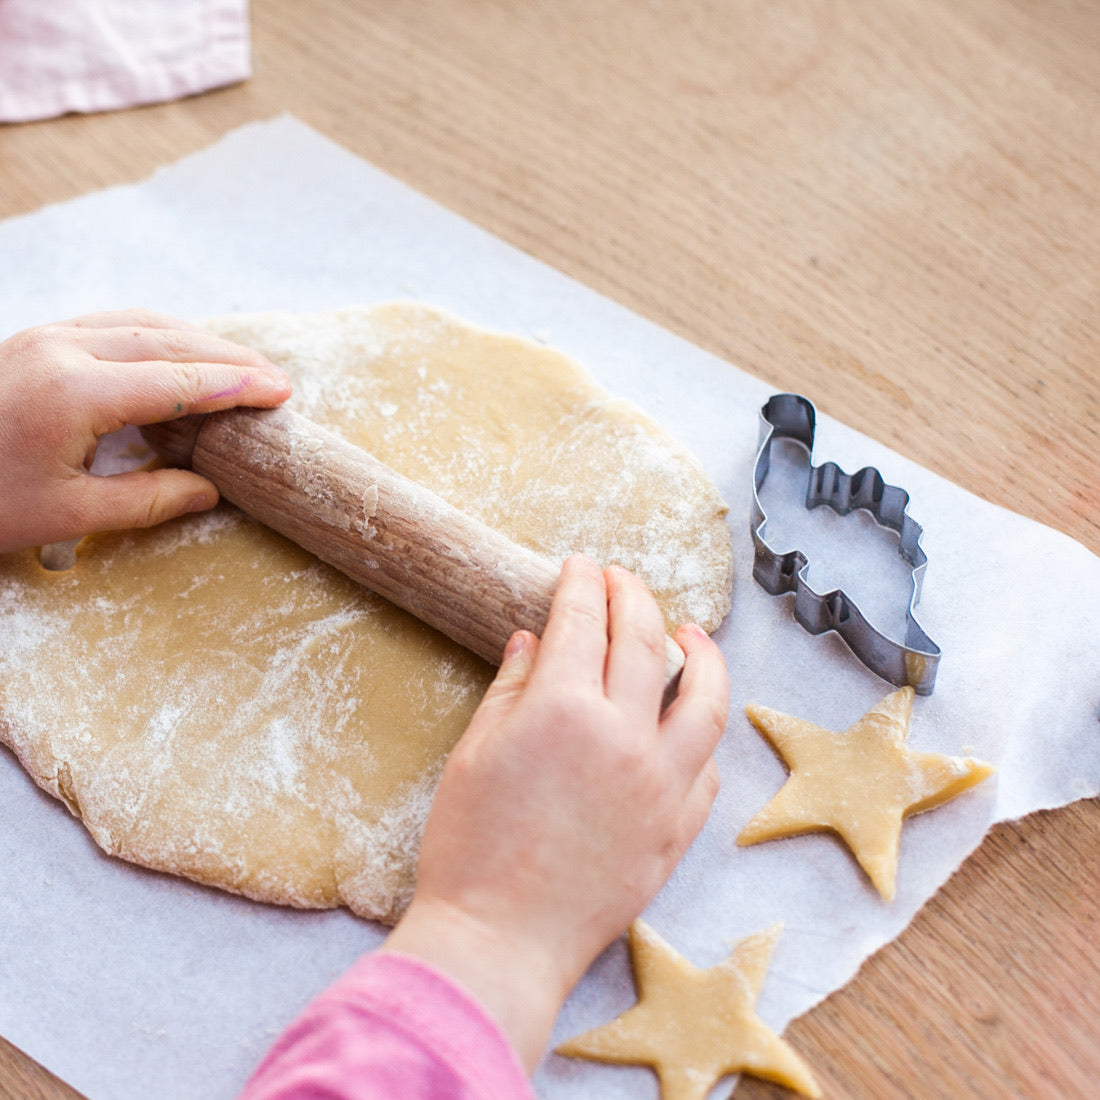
<point>214,702</point>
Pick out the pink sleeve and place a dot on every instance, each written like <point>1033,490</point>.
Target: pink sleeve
<point>391,1027</point>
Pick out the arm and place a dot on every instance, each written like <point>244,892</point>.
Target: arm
<point>392,1028</point>
<point>560,813</point>
<point>63,386</point>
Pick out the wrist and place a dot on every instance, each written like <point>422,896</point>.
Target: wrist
<point>518,984</point>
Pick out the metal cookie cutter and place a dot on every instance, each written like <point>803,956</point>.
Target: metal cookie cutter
<point>790,416</point>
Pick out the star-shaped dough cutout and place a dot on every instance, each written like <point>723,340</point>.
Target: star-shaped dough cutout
<point>695,1026</point>
<point>859,783</point>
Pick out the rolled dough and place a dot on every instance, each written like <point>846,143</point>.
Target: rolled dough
<point>213,702</point>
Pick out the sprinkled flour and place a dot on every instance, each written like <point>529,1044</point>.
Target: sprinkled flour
<point>214,702</point>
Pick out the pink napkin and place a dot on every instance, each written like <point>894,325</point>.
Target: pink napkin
<point>96,55</point>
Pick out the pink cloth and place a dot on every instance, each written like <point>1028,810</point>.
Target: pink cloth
<point>96,55</point>
<point>392,1028</point>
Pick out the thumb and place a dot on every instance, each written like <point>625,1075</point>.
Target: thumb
<point>142,498</point>
<point>512,676</point>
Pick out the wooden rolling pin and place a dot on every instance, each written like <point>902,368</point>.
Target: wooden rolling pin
<point>388,533</point>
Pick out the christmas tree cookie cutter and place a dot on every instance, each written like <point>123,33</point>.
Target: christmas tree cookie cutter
<point>912,663</point>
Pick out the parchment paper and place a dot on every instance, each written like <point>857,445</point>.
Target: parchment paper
<point>133,984</point>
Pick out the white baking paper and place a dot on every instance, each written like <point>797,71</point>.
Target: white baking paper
<point>130,984</point>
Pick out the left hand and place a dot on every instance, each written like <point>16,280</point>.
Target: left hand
<point>63,386</point>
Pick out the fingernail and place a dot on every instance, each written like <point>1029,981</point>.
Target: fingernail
<point>276,374</point>
<point>517,643</point>
<point>275,381</point>
<point>618,571</point>
<point>202,502</point>
<point>269,382</point>
<point>582,559</point>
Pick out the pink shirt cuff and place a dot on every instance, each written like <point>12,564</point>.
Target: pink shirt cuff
<point>392,1027</point>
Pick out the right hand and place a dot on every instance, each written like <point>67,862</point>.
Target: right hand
<point>568,801</point>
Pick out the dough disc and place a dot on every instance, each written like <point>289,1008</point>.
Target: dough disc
<point>213,702</point>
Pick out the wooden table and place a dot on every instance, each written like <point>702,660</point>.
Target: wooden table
<point>890,205</point>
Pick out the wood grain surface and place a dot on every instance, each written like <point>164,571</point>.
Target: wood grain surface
<point>890,205</point>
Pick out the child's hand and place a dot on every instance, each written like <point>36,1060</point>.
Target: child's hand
<point>63,386</point>
<point>568,801</point>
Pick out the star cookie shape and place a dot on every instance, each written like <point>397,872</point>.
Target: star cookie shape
<point>859,783</point>
<point>695,1026</point>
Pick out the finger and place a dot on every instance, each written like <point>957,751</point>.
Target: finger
<point>698,803</point>
<point>143,318</point>
<point>169,372</point>
<point>142,498</point>
<point>515,670</point>
<point>142,344</point>
<point>574,642</point>
<point>696,718</point>
<point>634,677</point>
<point>147,393</point>
<point>510,681</point>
